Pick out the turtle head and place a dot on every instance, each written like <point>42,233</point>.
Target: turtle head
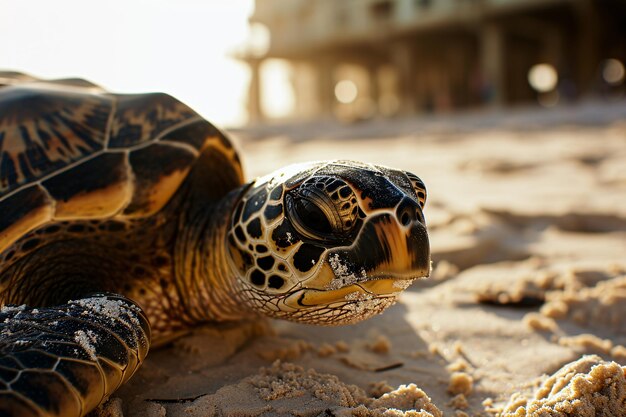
<point>329,242</point>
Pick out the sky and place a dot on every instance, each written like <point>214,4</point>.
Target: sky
<point>180,47</point>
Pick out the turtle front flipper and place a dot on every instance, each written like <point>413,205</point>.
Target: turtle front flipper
<point>67,359</point>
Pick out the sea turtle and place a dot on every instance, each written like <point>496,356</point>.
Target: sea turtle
<point>126,219</point>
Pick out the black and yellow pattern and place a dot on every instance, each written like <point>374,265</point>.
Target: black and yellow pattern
<point>43,130</point>
<point>82,175</point>
<point>63,361</point>
<point>80,152</point>
<point>330,242</point>
<point>125,218</point>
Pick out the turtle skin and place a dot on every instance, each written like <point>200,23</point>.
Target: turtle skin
<point>70,151</point>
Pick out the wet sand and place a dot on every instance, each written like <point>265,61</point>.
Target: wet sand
<point>523,314</point>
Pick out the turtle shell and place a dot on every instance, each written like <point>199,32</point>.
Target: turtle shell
<point>14,77</point>
<point>71,150</point>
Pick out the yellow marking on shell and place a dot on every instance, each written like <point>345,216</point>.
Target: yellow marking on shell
<point>27,223</point>
<point>216,143</point>
<point>100,203</point>
<point>160,193</point>
<point>69,151</point>
<point>135,117</point>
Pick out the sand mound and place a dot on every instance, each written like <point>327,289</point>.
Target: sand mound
<point>583,294</point>
<point>285,389</point>
<point>588,387</point>
<point>602,305</point>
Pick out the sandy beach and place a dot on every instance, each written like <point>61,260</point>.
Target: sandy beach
<point>523,315</point>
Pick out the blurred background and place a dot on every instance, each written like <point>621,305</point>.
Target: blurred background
<point>358,59</point>
<point>267,61</point>
<point>182,47</point>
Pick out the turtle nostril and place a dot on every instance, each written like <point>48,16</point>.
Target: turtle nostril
<point>419,216</point>
<point>408,212</point>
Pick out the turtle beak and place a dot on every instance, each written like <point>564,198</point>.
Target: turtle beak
<point>384,260</point>
<point>384,250</point>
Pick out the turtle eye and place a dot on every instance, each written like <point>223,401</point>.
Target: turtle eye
<point>311,216</point>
